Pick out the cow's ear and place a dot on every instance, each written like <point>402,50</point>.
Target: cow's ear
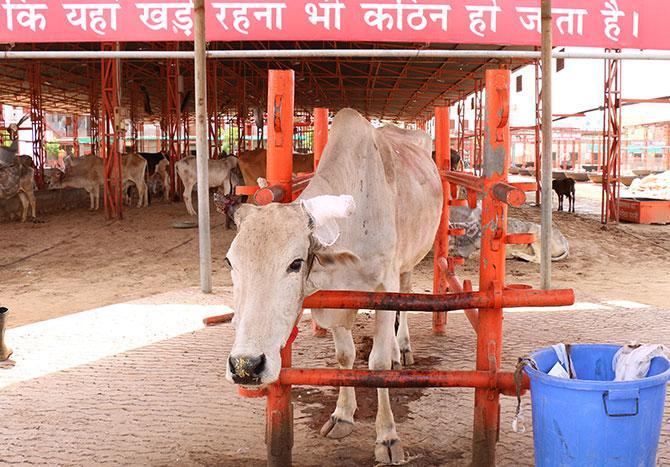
<point>330,258</point>
<point>241,212</point>
<point>324,211</point>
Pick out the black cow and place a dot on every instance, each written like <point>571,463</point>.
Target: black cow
<point>565,187</point>
<point>455,159</point>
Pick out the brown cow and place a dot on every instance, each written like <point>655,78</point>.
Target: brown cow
<point>17,180</point>
<point>253,165</point>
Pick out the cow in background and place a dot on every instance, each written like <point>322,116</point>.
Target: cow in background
<point>565,187</point>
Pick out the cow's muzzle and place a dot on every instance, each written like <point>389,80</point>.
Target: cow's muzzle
<point>246,369</point>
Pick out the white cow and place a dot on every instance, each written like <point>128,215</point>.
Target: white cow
<point>87,172</point>
<point>367,218</point>
<point>219,176</point>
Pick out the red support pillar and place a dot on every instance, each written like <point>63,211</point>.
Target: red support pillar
<point>538,131</point>
<point>280,131</point>
<point>213,119</point>
<point>109,147</point>
<point>479,128</point>
<point>279,410</point>
<point>460,142</point>
<point>94,117</point>
<point>320,140</point>
<point>492,265</point>
<point>441,250</point>
<point>75,135</point>
<point>37,121</point>
<point>172,119</point>
<point>320,133</point>
<point>611,142</point>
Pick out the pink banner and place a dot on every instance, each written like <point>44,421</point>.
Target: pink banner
<point>637,24</point>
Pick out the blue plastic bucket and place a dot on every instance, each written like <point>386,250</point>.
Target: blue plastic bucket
<point>593,420</point>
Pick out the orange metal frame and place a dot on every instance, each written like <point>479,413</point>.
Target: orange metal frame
<point>172,118</point>
<point>484,308</point>
<point>109,142</point>
<point>37,120</point>
<point>611,142</point>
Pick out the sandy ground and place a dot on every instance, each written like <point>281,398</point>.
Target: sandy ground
<point>76,260</point>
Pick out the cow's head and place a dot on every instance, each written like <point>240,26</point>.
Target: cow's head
<point>271,259</point>
<point>464,246</point>
<point>55,179</point>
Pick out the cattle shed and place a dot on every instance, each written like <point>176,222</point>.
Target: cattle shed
<point>191,69</point>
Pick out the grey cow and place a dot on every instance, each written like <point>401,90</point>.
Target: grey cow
<point>471,220</point>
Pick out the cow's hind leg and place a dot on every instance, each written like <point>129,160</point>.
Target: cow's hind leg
<point>402,334</point>
<point>388,449</point>
<point>341,422</point>
<point>33,203</point>
<point>24,205</point>
<point>188,191</point>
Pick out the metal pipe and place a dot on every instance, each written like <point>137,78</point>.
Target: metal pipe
<point>399,379</point>
<point>352,300</point>
<point>441,248</point>
<point>546,201</point>
<point>320,133</point>
<point>202,151</point>
<point>280,131</point>
<point>327,53</point>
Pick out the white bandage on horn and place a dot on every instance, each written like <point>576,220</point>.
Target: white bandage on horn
<point>324,210</point>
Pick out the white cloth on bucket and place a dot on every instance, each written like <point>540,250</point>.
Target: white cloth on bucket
<point>632,361</point>
<point>562,367</point>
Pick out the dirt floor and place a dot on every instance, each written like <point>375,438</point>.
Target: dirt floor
<point>76,260</point>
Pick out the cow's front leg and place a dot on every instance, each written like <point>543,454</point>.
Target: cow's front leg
<point>341,422</point>
<point>388,449</point>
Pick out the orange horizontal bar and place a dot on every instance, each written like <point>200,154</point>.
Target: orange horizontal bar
<point>519,238</point>
<point>246,190</point>
<point>503,381</point>
<point>525,186</point>
<point>342,299</point>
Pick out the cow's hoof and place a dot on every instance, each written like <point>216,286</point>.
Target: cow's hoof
<point>389,452</point>
<point>396,365</point>
<point>407,357</point>
<point>336,428</point>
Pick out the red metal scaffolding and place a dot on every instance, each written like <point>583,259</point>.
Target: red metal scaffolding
<point>172,118</point>
<point>538,131</point>
<point>483,308</point>
<point>213,115</point>
<point>109,135</point>
<point>94,114</point>
<point>611,142</point>
<point>460,141</point>
<point>477,104</point>
<point>37,121</point>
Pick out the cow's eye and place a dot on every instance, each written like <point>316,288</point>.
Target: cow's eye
<point>295,266</point>
<point>227,261</point>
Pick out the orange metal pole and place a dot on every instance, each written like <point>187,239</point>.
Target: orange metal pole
<point>280,131</point>
<point>509,298</point>
<point>441,250</point>
<point>279,418</point>
<point>320,140</point>
<point>492,265</point>
<point>501,381</point>
<point>279,409</point>
<point>320,133</point>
